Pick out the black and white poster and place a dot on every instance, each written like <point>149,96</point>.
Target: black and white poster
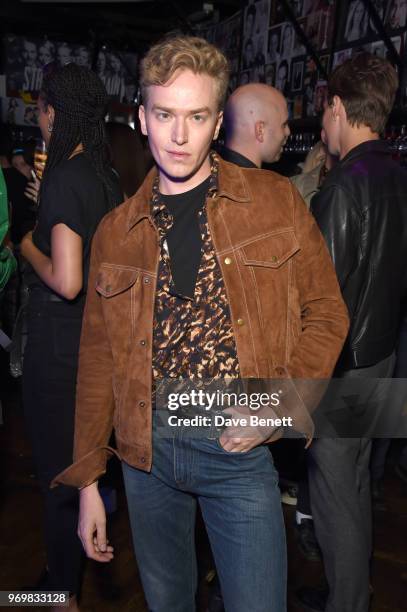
<point>282,81</point>
<point>357,21</point>
<point>27,57</point>
<point>255,40</point>
<point>273,54</point>
<point>396,16</point>
<point>118,72</point>
<point>297,75</point>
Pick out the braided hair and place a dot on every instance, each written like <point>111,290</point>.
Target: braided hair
<point>79,99</point>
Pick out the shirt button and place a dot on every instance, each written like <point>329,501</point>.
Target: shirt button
<point>142,459</point>
<point>240,322</point>
<point>280,371</point>
<point>141,404</point>
<point>274,259</point>
<point>146,280</point>
<point>142,342</point>
<point>228,261</point>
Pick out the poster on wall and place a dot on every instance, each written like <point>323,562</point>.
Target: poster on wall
<point>227,36</point>
<point>255,36</point>
<point>26,58</point>
<point>17,112</point>
<point>396,15</point>
<point>357,21</point>
<point>118,72</point>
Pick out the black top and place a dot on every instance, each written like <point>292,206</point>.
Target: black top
<point>74,195</point>
<point>184,238</point>
<point>235,158</point>
<point>23,210</point>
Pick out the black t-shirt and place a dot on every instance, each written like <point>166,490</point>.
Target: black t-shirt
<point>184,238</point>
<point>23,210</point>
<point>74,195</point>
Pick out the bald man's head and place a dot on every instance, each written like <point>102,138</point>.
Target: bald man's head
<point>256,122</point>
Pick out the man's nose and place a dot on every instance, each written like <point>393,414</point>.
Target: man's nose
<point>180,131</point>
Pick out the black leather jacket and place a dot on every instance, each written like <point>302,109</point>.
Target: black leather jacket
<point>361,210</point>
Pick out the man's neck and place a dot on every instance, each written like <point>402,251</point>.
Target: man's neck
<point>171,186</point>
<point>244,150</point>
<point>356,137</point>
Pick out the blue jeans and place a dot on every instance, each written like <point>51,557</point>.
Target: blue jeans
<point>240,504</point>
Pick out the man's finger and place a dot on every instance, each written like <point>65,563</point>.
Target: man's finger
<point>101,536</point>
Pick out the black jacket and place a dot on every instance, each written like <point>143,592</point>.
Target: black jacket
<point>361,210</point>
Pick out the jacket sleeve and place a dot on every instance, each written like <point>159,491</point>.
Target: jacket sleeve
<point>324,317</point>
<point>94,392</point>
<point>339,223</point>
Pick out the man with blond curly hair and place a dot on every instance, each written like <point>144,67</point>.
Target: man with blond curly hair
<point>209,272</point>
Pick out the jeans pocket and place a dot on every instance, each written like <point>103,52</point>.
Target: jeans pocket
<point>233,453</point>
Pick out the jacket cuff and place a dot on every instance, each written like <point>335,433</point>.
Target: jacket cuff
<point>86,470</point>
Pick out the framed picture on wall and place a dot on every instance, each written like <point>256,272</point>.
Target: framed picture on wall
<point>297,75</point>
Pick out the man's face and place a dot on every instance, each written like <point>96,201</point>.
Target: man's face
<point>64,55</point>
<point>181,119</point>
<point>30,53</point>
<point>82,57</point>
<point>281,79</point>
<point>396,14</point>
<point>45,55</point>
<point>330,128</point>
<point>115,63</point>
<point>276,130</point>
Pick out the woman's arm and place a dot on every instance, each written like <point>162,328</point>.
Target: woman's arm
<point>62,272</point>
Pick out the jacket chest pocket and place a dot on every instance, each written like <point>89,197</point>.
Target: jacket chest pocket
<point>267,270</point>
<point>117,287</point>
<point>272,251</point>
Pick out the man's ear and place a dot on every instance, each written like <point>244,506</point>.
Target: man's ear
<point>218,125</point>
<point>142,117</point>
<point>337,107</point>
<point>259,131</point>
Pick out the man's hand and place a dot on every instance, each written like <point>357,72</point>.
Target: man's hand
<point>242,437</point>
<point>92,525</point>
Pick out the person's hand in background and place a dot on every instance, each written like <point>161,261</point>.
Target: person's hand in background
<point>32,189</point>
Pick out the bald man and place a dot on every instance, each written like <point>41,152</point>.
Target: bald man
<point>256,125</point>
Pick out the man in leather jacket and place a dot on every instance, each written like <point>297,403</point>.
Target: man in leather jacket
<point>361,210</point>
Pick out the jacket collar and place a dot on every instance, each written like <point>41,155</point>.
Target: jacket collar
<point>370,146</point>
<point>231,185</point>
<point>235,158</point>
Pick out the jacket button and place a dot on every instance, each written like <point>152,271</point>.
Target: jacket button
<point>142,342</point>
<point>141,404</point>
<point>240,322</point>
<point>274,259</point>
<point>108,288</point>
<point>142,459</point>
<point>228,261</point>
<point>146,280</point>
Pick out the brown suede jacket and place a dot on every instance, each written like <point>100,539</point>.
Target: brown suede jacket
<point>287,313</point>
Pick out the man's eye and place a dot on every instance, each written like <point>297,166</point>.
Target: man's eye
<point>198,118</point>
<point>162,116</point>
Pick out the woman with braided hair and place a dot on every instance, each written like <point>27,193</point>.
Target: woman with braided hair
<point>77,189</point>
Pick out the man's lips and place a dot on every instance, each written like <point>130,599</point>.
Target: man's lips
<point>180,154</point>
